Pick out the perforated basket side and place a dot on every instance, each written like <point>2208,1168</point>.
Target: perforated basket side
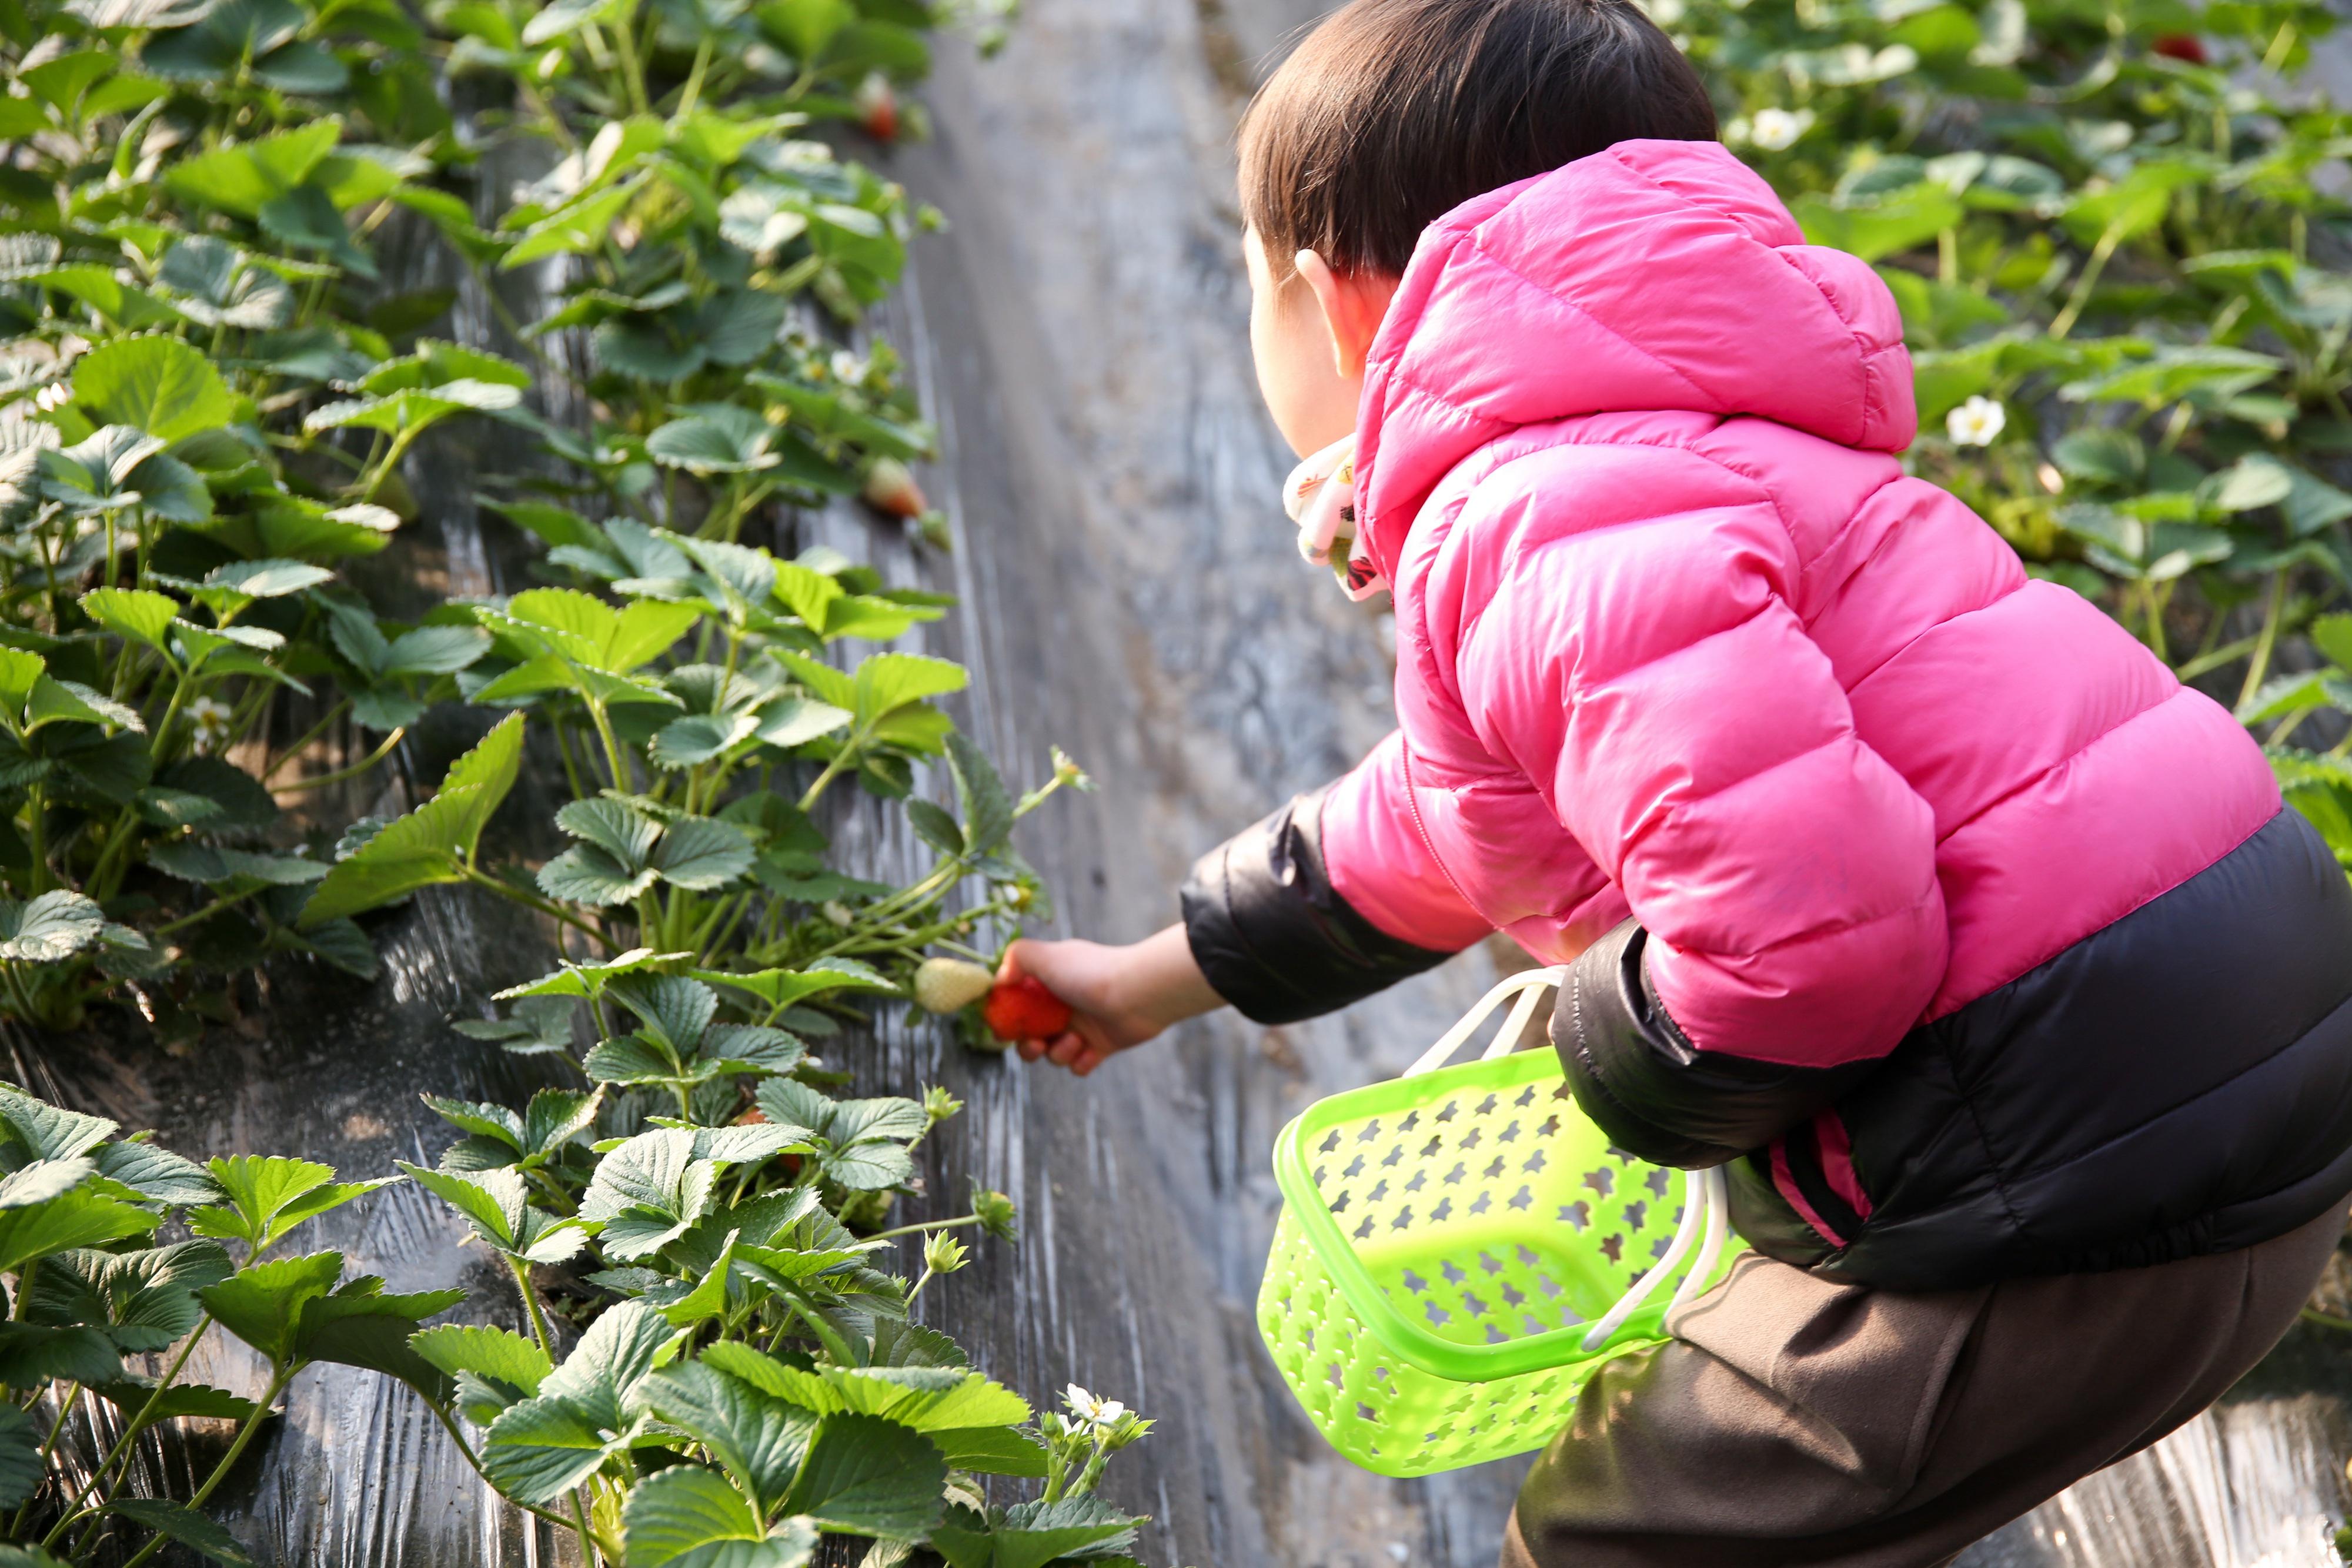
<point>1379,1411</point>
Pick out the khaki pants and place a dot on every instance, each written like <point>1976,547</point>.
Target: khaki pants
<point>1796,1423</point>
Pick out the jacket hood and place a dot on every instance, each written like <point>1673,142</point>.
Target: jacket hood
<point>1657,275</point>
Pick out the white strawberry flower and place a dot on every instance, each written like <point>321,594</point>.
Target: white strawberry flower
<point>1777,129</point>
<point>1093,1411</point>
<point>1977,423</point>
<point>210,717</point>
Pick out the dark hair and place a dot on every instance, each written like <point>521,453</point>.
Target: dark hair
<point>1393,112</point>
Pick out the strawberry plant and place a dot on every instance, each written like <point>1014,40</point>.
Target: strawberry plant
<point>91,1289</point>
<point>198,434</point>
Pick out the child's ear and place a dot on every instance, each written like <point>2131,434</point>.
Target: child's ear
<point>1353,305</point>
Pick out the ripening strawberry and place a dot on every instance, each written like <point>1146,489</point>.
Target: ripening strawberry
<point>877,108</point>
<point>1025,1010</point>
<point>946,984</point>
<point>2184,46</point>
<point>890,488</point>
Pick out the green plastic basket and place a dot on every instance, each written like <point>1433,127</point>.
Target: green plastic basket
<point>1460,1249</point>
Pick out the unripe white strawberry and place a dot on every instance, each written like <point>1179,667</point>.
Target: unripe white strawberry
<point>890,488</point>
<point>948,984</point>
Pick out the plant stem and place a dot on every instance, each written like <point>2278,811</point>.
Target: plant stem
<point>2267,642</point>
<point>313,733</point>
<point>925,1228</point>
<point>228,1461</point>
<point>353,771</point>
<point>521,1273</point>
<point>551,909</point>
<point>139,1424</point>
<point>2081,295</point>
<point>48,1450</point>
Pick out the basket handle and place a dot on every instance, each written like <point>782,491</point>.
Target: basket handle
<point>1706,1197</point>
<point>1706,1211</point>
<point>1528,986</point>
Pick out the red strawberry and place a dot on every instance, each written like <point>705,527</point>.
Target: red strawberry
<point>2184,46</point>
<point>877,108</point>
<point>890,488</point>
<point>1025,1010</point>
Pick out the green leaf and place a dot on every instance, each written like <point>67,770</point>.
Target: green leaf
<point>498,1353</point>
<point>141,1301</point>
<point>157,1174</point>
<point>1882,228</point>
<point>648,1192</point>
<point>53,927</point>
<point>242,178</point>
<point>796,721</point>
<point>589,980</point>
<point>986,804</point>
<point>50,1132</point>
<point>133,1396</point>
<point>78,1218</point>
<point>865,1476</point>
<point>20,1457</point>
<point>719,438</point>
<point>436,842</point>
<point>991,1451</point>
<point>262,1303</point>
<point>924,1398</point>
<point>701,853</point>
<point>138,614</point>
<point>698,739</point>
<point>268,1195</point>
<point>779,988</point>
<point>1033,1534</point>
<point>361,1325</point>
<point>160,385</point>
<point>237,869</point>
<point>540,1448</point>
<point>2208,372</point>
<point>184,1525</point>
<point>32,1355</point>
<point>688,1517</point>
<point>758,1439</point>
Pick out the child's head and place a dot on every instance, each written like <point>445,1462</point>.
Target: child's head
<point>1391,114</point>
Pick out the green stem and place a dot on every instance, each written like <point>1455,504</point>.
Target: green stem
<point>633,72</point>
<point>353,771</point>
<point>449,1424</point>
<point>521,1273</point>
<point>227,901</point>
<point>36,838</point>
<point>49,1452</point>
<point>313,733</point>
<point>139,1423</point>
<point>2267,642</point>
<point>2081,295</point>
<point>693,87</point>
<point>245,1437</point>
<point>2206,663</point>
<point>924,1228</point>
<point>532,901</point>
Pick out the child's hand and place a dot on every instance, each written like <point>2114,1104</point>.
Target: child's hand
<point>1119,997</point>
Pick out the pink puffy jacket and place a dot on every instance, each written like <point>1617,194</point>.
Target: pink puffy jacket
<point>1680,644</point>
<point>1677,637</point>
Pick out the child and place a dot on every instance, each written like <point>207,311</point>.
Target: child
<point>1911,890</point>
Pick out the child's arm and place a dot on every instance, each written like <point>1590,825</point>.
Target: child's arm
<point>1276,924</point>
<point>1119,997</point>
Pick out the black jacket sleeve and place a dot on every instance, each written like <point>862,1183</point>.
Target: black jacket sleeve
<point>1657,1096</point>
<point>1272,936</point>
